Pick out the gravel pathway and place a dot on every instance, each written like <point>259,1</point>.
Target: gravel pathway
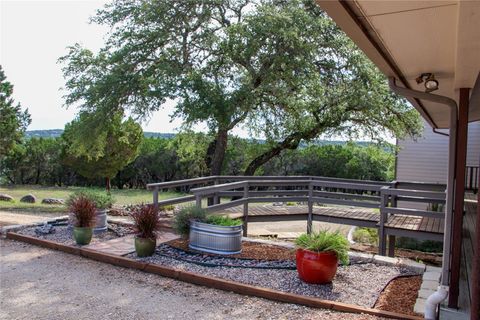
<point>64,235</point>
<point>42,284</point>
<point>358,284</point>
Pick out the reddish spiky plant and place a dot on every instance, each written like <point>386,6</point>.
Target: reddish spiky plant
<point>83,210</point>
<point>146,221</point>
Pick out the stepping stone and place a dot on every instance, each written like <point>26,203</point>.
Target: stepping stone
<point>125,245</point>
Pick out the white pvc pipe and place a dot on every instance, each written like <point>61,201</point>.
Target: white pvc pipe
<point>433,301</point>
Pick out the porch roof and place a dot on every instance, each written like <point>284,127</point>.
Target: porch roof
<point>408,38</point>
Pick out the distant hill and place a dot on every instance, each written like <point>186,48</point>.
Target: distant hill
<point>53,133</point>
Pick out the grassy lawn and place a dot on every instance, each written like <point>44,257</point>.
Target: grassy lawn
<point>121,197</point>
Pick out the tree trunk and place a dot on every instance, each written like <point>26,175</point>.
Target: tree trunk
<point>107,183</point>
<point>261,160</point>
<point>216,152</point>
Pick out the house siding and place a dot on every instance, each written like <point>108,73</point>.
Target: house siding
<point>426,159</point>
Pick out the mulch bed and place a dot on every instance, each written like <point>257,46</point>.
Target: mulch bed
<point>400,295</point>
<point>250,250</point>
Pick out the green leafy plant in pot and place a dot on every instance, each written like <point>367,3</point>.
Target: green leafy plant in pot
<point>83,210</point>
<point>146,221</point>
<point>318,255</point>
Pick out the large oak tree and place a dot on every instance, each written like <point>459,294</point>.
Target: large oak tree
<point>281,67</point>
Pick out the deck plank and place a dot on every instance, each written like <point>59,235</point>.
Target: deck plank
<point>347,214</point>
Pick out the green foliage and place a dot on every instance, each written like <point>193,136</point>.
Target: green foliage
<point>365,235</point>
<point>101,200</point>
<point>101,149</point>
<point>183,157</point>
<point>324,241</point>
<point>414,244</point>
<point>13,121</point>
<point>222,65</point>
<point>223,221</point>
<point>181,221</point>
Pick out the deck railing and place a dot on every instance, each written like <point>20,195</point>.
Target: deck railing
<point>471,178</point>
<point>310,190</point>
<point>389,206</point>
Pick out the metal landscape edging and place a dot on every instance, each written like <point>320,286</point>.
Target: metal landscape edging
<point>206,281</point>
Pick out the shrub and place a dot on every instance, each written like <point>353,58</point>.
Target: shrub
<point>325,241</point>
<point>146,221</point>
<point>83,210</point>
<point>100,199</point>
<point>223,221</point>
<point>181,222</point>
<point>169,207</point>
<point>366,235</point>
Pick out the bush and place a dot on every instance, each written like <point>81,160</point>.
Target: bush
<point>223,221</point>
<point>325,241</point>
<point>146,221</point>
<point>181,222</point>
<point>365,235</point>
<point>100,199</point>
<point>83,210</point>
<point>418,245</point>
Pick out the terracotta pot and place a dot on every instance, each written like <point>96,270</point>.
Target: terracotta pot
<point>316,267</point>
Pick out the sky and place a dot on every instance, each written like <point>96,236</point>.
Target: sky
<point>33,35</point>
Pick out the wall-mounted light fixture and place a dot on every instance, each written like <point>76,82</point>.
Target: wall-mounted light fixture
<point>429,79</point>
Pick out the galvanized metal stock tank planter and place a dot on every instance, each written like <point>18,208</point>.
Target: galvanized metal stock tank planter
<point>215,239</point>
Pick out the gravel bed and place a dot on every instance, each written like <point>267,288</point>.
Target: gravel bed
<point>221,261</point>
<point>358,284</point>
<point>64,235</point>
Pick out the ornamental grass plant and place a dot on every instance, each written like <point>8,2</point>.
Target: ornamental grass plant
<point>325,241</point>
<point>146,221</point>
<point>84,211</point>
<point>181,222</point>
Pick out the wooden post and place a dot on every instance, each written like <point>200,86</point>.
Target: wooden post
<point>155,198</point>
<point>382,238</point>
<point>459,196</point>
<point>198,201</point>
<point>216,198</point>
<point>391,246</point>
<point>310,208</point>
<point>245,209</point>
<point>475,312</point>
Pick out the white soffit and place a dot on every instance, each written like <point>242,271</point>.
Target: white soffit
<point>442,37</point>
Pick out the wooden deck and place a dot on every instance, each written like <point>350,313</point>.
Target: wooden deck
<point>424,228</point>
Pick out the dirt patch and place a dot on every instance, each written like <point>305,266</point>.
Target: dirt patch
<point>400,295</point>
<point>250,250</point>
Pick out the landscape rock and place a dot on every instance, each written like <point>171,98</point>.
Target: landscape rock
<point>5,197</point>
<point>53,201</point>
<point>29,198</point>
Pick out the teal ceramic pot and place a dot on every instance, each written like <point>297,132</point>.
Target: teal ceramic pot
<point>82,236</point>
<point>145,247</point>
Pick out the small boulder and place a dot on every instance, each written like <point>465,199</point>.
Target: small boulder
<point>53,201</point>
<point>5,197</point>
<point>29,198</point>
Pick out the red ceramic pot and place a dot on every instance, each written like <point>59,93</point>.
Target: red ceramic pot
<point>316,267</point>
